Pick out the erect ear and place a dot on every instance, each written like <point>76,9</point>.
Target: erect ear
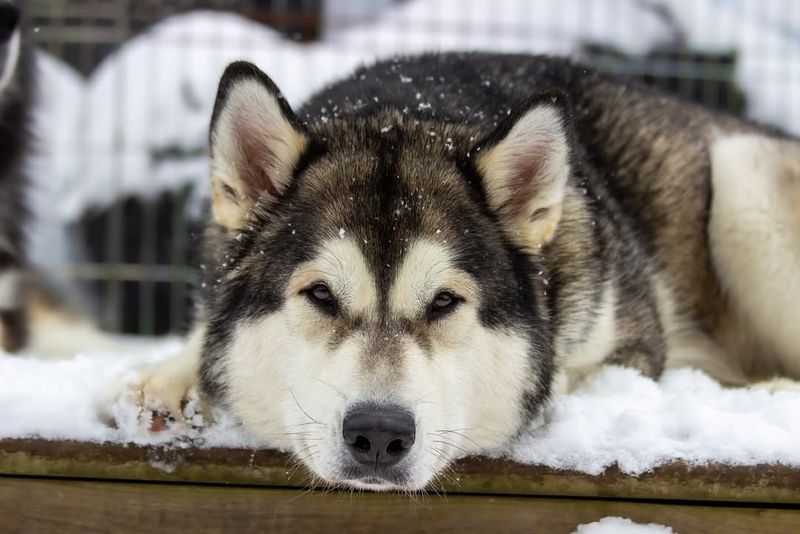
<point>255,143</point>
<point>524,166</point>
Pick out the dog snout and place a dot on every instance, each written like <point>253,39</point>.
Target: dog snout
<point>378,436</point>
<point>9,18</point>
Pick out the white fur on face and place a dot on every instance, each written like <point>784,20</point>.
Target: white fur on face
<point>11,59</point>
<point>291,386</point>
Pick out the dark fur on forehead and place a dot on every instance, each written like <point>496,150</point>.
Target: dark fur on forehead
<point>386,180</point>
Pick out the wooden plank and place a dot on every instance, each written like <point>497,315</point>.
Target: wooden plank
<point>768,484</point>
<point>47,505</point>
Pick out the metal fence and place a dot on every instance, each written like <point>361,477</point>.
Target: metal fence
<point>135,254</point>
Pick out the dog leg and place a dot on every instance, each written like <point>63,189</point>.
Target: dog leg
<point>13,316</point>
<point>162,391</point>
<point>692,348</point>
<point>754,233</point>
<point>778,384</point>
<point>644,360</point>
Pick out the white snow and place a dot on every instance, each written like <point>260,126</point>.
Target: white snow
<point>76,399</point>
<point>621,525</point>
<point>620,417</point>
<point>617,417</point>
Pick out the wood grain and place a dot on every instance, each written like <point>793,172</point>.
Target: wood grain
<point>766,484</point>
<point>42,505</point>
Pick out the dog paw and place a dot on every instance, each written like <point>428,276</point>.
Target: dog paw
<point>162,399</point>
<point>13,329</point>
<point>778,384</point>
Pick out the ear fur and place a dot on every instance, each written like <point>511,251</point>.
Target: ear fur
<point>255,141</point>
<point>524,166</point>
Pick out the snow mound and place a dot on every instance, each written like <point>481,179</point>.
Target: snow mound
<point>621,525</point>
<point>620,417</point>
<point>616,417</point>
<point>75,399</point>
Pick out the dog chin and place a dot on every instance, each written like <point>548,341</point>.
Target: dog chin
<point>349,478</point>
<point>372,484</point>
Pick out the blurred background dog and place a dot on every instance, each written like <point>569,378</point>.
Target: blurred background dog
<point>119,158</point>
<point>15,97</point>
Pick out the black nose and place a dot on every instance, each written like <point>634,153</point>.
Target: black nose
<point>378,436</point>
<point>9,18</point>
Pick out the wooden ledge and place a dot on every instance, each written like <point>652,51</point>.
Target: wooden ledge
<point>763,485</point>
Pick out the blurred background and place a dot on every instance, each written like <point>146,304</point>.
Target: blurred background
<point>126,89</point>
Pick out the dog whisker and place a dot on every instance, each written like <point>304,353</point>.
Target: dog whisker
<point>456,432</point>
<point>301,408</point>
<point>450,444</point>
<point>334,388</point>
<point>306,424</point>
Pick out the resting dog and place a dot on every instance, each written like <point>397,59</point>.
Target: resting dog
<point>15,84</point>
<point>408,267</point>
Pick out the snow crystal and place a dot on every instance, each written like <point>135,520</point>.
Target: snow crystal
<point>621,525</point>
<point>616,417</point>
<point>78,398</point>
<point>620,417</point>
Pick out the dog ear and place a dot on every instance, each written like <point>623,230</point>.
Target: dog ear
<point>524,165</point>
<point>256,141</point>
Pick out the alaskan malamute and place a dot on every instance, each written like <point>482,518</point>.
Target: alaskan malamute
<point>406,269</point>
<point>15,85</point>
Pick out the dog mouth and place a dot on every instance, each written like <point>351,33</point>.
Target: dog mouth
<point>372,483</point>
<point>373,478</point>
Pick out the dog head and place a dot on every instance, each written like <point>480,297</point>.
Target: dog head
<point>372,302</point>
<point>9,42</point>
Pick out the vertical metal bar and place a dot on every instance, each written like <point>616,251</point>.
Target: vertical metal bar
<point>114,301</point>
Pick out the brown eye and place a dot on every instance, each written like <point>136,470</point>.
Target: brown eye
<point>321,296</point>
<point>321,293</point>
<point>443,300</point>
<point>444,303</point>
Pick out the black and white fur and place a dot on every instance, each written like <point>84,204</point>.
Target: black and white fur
<point>404,272</point>
<point>15,96</point>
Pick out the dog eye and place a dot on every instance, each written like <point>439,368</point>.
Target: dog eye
<point>443,300</point>
<point>321,296</point>
<point>442,304</point>
<point>321,293</point>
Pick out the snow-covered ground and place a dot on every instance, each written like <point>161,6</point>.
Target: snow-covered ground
<point>617,417</point>
<point>138,124</point>
<point>621,525</point>
<point>77,398</point>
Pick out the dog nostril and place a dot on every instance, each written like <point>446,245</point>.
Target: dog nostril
<point>378,436</point>
<point>362,444</point>
<point>396,447</point>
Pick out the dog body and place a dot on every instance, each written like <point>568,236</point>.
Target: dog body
<point>15,85</point>
<point>407,268</point>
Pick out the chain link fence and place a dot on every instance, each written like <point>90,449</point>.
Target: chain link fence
<point>126,208</point>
